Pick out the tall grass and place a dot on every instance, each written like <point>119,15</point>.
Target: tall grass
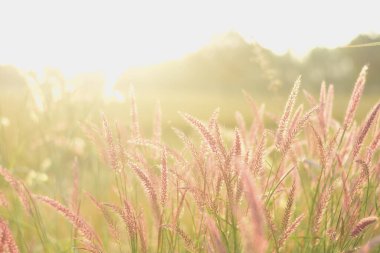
<point>310,184</point>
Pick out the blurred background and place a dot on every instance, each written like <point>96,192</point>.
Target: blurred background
<point>62,63</point>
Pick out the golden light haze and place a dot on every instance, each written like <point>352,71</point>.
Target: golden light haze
<point>110,36</point>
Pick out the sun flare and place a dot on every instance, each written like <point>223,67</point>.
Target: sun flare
<point>110,36</point>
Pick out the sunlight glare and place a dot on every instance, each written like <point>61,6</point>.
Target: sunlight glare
<point>111,36</point>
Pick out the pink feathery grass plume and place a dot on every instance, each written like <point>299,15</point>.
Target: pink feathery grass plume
<point>218,138</point>
<point>363,177</point>
<point>355,98</point>
<point>215,236</point>
<point>206,134</point>
<point>257,113</point>
<point>135,127</point>
<point>284,121</point>
<point>346,192</point>
<point>237,143</point>
<point>289,206</point>
<point>111,150</point>
<point>322,107</point>
<point>310,98</point>
<point>362,224</point>
<point>20,189</point>
<point>127,215</point>
<point>189,243</point>
<point>296,118</point>
<point>257,163</point>
<point>7,241</point>
<point>75,191</point>
<point>158,147</point>
<point>256,212</point>
<point>241,125</point>
<point>142,233</point>
<point>321,148</point>
<point>290,230</point>
<point>3,201</point>
<point>289,138</point>
<point>112,226</point>
<point>190,146</point>
<point>372,148</point>
<point>147,184</point>
<point>270,223</point>
<point>157,123</point>
<point>321,208</point>
<point>164,179</point>
<point>202,130</point>
<point>329,105</point>
<point>83,227</point>
<point>364,130</point>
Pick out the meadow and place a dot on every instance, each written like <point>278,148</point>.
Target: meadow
<point>198,171</point>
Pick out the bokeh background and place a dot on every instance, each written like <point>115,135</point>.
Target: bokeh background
<point>62,64</point>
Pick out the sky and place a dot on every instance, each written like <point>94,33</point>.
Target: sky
<point>110,36</point>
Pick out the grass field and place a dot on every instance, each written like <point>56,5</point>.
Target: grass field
<point>119,178</point>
